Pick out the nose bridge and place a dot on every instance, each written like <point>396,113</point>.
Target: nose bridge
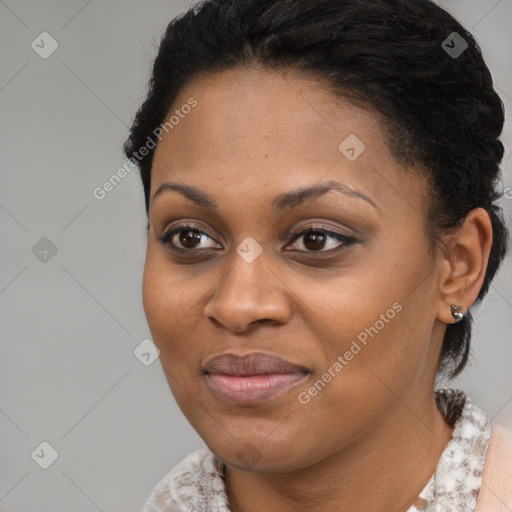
<point>245,276</point>
<point>247,292</point>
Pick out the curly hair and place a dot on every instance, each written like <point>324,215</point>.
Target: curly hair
<point>440,110</point>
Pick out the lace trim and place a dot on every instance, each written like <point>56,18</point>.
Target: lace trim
<point>458,477</point>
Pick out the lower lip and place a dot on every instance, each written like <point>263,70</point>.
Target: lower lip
<point>251,389</point>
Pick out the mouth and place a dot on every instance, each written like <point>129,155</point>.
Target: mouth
<point>252,378</point>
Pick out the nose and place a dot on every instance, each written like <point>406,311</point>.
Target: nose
<point>248,293</point>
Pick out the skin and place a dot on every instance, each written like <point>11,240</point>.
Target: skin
<point>372,437</point>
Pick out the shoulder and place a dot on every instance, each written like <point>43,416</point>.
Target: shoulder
<point>195,483</point>
<point>496,490</point>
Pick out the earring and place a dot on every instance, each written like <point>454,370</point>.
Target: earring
<point>458,312</point>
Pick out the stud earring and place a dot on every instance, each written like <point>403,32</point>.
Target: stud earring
<point>458,312</point>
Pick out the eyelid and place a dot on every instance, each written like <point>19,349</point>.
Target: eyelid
<point>192,225</point>
<point>324,227</point>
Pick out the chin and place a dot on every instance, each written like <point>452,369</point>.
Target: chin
<point>258,453</point>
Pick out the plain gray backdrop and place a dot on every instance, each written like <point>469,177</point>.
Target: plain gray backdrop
<point>71,311</point>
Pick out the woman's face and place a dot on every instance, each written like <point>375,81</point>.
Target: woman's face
<point>350,304</point>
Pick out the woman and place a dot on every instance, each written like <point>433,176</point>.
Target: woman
<point>320,184</point>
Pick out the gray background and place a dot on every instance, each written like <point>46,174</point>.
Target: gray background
<point>70,324</point>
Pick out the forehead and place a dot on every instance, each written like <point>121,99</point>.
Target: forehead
<point>270,130</point>
<point>248,107</point>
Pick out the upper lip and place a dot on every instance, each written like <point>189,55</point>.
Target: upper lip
<point>255,363</point>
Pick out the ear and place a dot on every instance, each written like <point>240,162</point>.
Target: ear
<point>463,263</point>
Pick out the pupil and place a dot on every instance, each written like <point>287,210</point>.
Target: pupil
<point>188,241</point>
<point>317,239</point>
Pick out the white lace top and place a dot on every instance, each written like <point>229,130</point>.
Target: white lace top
<point>196,484</point>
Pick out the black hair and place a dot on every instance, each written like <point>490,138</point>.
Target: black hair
<point>399,57</point>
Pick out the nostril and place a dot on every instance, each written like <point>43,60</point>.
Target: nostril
<point>260,321</point>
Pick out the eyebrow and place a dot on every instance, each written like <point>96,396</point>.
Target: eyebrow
<point>281,203</point>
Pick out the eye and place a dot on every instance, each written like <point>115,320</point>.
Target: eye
<point>320,239</point>
<point>185,237</point>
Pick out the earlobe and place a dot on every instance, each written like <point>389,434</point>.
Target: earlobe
<point>463,266</point>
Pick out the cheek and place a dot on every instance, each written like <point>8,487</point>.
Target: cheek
<point>171,305</point>
<point>372,316</point>
<point>169,312</point>
<point>154,298</point>
<point>163,300</point>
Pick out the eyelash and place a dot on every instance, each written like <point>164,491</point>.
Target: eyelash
<point>345,241</point>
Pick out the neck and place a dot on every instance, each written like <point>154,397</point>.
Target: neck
<point>384,470</point>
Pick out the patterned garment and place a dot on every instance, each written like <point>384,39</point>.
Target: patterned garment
<point>196,484</point>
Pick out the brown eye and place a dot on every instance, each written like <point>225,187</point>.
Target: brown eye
<point>189,238</point>
<point>321,240</point>
<point>186,237</point>
<point>314,240</point>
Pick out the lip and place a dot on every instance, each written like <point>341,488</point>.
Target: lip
<point>251,378</point>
